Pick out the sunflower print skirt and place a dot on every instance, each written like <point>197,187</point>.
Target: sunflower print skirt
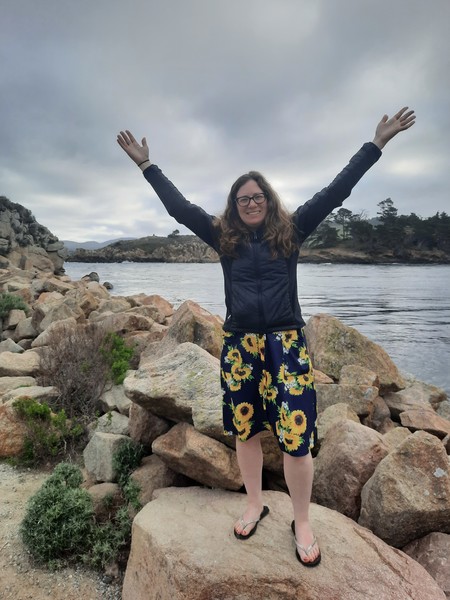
<point>268,383</point>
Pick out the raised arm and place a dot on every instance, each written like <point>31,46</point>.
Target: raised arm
<point>138,153</point>
<point>308,216</point>
<point>186,213</point>
<point>387,128</point>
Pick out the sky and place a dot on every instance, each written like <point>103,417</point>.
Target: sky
<point>291,88</point>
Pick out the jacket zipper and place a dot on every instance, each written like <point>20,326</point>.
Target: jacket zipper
<point>258,279</point>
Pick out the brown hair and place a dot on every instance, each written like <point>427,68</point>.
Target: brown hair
<point>278,226</point>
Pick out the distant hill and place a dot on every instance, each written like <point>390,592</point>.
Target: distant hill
<point>72,246</point>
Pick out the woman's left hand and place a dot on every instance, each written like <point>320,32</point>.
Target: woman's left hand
<point>387,128</point>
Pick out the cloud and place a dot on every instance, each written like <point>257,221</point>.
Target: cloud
<point>290,87</point>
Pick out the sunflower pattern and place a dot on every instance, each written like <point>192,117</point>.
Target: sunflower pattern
<point>268,383</point>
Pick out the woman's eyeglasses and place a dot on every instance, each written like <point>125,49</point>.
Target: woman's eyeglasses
<point>245,200</point>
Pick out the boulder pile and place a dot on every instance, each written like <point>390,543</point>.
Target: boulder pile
<point>381,495</point>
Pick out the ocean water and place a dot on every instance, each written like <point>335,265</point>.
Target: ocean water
<point>404,308</point>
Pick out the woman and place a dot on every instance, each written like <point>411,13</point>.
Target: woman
<point>266,374</point>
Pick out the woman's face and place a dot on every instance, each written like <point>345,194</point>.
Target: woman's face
<point>254,214</point>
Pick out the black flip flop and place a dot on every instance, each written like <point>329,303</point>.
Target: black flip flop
<point>239,536</point>
<point>312,563</point>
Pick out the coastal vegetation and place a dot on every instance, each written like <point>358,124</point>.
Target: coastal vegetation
<point>343,237</point>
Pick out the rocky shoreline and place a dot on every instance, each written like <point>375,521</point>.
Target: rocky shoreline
<point>190,249</point>
<point>382,469</point>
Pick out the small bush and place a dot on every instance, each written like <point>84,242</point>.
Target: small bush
<point>109,541</point>
<point>80,362</point>
<point>59,517</point>
<point>125,459</point>
<point>48,434</point>
<point>118,357</point>
<point>10,302</point>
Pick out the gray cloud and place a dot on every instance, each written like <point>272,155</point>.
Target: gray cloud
<point>289,87</point>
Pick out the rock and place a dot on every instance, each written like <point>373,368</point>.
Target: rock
<point>333,414</point>
<point>379,417</point>
<point>199,457</point>
<point>426,419</point>
<point>320,377</point>
<point>443,410</point>
<point>13,431</point>
<point>25,330</point>
<point>190,323</point>
<point>36,392</point>
<point>160,304</point>
<point>10,346</point>
<point>113,422</point>
<point>145,427</point>
<point>98,455</point>
<point>417,395</point>
<point>18,365</point>
<point>358,375</point>
<point>115,398</point>
<point>154,474</point>
<point>97,290</point>
<point>332,345</point>
<point>347,458</point>
<point>433,553</point>
<point>122,323</point>
<point>55,330</point>
<point>395,437</point>
<point>179,384</point>
<point>107,499</point>
<point>11,383</point>
<point>14,317</point>
<point>359,397</point>
<point>210,563</point>
<point>408,496</point>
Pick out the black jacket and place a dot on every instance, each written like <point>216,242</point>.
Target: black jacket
<point>261,292</point>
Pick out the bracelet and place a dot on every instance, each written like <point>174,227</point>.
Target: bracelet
<point>144,161</point>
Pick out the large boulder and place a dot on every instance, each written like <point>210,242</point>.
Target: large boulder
<point>145,427</point>
<point>408,496</point>
<point>179,385</point>
<point>190,323</point>
<point>18,365</point>
<point>10,383</point>
<point>154,474</point>
<point>98,456</point>
<point>332,345</point>
<point>348,456</point>
<point>425,419</point>
<point>199,457</point>
<point>183,548</point>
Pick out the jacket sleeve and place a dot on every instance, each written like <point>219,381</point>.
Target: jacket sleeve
<point>191,215</point>
<point>308,216</point>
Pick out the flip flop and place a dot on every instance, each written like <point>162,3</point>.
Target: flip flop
<point>307,551</point>
<point>239,536</point>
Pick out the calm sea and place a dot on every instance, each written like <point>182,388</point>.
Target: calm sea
<point>404,308</point>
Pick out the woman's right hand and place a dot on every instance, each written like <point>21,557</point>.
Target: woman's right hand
<point>137,152</point>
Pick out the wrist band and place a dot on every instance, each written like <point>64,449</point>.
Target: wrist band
<point>144,161</point>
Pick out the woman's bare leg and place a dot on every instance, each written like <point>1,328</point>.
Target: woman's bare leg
<point>250,461</point>
<point>299,473</point>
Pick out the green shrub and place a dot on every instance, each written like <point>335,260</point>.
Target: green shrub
<point>9,302</point>
<point>117,355</point>
<point>125,459</point>
<point>59,517</point>
<point>48,434</point>
<point>109,540</point>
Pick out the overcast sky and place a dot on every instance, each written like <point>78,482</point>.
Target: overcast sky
<point>291,88</point>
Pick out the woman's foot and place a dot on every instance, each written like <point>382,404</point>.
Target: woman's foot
<point>307,548</point>
<point>246,526</point>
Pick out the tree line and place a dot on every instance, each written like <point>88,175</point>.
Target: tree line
<point>389,231</point>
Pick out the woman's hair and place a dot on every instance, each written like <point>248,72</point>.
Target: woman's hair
<point>278,226</point>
